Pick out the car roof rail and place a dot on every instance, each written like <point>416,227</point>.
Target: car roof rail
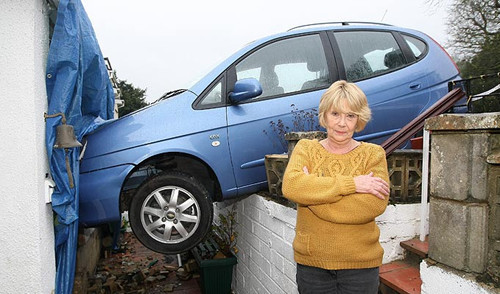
<point>344,23</point>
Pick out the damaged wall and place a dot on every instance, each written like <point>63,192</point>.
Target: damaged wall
<point>27,261</point>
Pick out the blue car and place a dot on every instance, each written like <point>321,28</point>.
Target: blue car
<point>167,163</point>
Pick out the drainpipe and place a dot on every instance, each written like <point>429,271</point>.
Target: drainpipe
<point>425,185</point>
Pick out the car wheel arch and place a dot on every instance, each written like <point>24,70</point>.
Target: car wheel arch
<point>182,162</point>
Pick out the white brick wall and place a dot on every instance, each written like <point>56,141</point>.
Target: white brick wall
<point>266,232</point>
<point>398,223</point>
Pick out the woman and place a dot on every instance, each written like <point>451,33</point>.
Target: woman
<point>340,185</point>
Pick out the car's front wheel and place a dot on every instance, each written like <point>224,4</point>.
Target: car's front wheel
<point>171,212</point>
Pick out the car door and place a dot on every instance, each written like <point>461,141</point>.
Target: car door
<point>381,65</point>
<point>211,140</point>
<point>293,73</point>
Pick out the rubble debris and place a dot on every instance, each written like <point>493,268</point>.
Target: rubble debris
<point>191,266</point>
<point>183,275</point>
<point>169,287</point>
<point>135,269</point>
<point>152,263</point>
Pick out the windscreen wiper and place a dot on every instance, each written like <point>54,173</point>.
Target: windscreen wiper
<point>170,94</point>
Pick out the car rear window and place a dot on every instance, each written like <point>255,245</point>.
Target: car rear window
<point>417,46</point>
<point>369,53</point>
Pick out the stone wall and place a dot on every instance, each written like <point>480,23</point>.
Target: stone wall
<point>266,232</point>
<point>465,192</point>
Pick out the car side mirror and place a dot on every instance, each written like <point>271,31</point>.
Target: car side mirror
<point>245,89</point>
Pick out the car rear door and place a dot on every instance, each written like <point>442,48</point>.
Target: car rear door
<point>395,84</point>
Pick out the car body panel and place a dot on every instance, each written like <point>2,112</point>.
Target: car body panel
<point>397,101</point>
<point>99,203</point>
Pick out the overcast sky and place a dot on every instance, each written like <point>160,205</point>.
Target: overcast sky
<point>162,45</point>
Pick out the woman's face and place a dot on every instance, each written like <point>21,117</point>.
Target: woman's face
<point>340,126</point>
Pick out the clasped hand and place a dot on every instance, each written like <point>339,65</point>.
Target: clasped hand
<point>372,185</point>
<point>368,184</point>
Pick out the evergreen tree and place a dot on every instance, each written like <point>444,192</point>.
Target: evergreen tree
<point>486,61</point>
<point>133,97</point>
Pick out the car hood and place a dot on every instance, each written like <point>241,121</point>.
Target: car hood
<point>162,120</point>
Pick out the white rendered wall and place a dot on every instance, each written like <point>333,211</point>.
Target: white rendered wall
<point>439,279</point>
<point>266,232</point>
<point>399,223</point>
<point>27,261</point>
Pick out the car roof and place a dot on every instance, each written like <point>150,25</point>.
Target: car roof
<point>340,26</point>
<point>338,23</point>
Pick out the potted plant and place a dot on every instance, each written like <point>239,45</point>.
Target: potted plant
<point>304,125</point>
<point>216,255</point>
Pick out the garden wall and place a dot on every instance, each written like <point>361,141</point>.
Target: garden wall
<point>266,232</point>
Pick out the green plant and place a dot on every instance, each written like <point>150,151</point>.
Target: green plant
<point>125,225</point>
<point>225,233</point>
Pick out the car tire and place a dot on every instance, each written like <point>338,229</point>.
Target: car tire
<point>171,212</point>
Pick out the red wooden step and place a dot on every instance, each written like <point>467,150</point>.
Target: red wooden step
<point>401,277</point>
<point>416,246</point>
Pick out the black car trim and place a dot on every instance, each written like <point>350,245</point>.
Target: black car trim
<point>341,75</point>
<point>424,54</point>
<point>408,54</point>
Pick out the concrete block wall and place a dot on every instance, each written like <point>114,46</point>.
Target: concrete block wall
<point>266,232</point>
<point>459,234</point>
<point>459,173</point>
<point>493,266</point>
<point>462,191</point>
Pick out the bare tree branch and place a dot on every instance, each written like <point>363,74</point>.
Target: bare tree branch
<point>471,24</point>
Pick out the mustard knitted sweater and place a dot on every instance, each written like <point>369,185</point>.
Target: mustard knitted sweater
<point>336,226</point>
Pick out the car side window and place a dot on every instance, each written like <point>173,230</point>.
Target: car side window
<point>369,53</point>
<point>287,66</point>
<point>417,46</point>
<point>213,97</point>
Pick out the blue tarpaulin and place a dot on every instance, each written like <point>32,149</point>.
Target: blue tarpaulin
<point>78,86</point>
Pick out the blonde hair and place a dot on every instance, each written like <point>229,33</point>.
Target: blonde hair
<point>340,95</point>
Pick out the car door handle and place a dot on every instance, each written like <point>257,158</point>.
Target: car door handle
<point>415,86</point>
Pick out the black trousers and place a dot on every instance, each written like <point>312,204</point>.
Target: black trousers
<point>313,280</point>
